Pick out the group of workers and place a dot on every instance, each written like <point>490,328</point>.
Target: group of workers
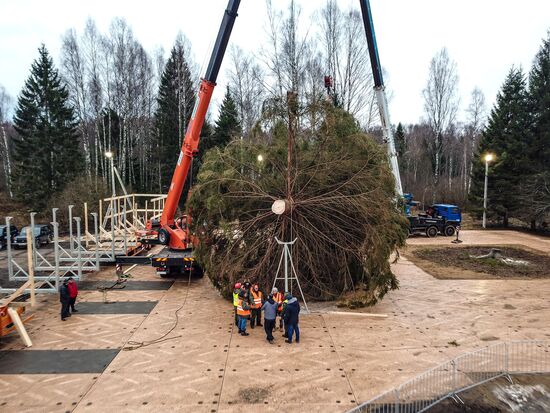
<point>249,302</point>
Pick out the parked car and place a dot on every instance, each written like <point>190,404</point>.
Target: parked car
<point>3,234</point>
<point>42,236</point>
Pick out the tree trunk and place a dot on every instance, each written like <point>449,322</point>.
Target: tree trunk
<point>7,163</point>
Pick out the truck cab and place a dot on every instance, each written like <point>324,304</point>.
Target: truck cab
<point>451,213</point>
<point>438,219</point>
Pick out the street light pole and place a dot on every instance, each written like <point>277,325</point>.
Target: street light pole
<point>488,158</point>
<point>111,158</point>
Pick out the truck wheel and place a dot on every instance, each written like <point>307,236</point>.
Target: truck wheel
<point>431,232</point>
<point>164,237</point>
<point>449,231</point>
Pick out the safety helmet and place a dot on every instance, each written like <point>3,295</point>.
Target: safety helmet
<point>237,285</point>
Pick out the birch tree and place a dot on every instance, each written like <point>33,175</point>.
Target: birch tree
<point>441,102</point>
<point>5,103</point>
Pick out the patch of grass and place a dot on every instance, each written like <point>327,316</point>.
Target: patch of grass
<point>465,258</point>
<point>252,395</point>
<point>453,343</point>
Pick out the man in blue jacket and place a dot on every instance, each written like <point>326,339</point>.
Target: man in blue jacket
<point>292,312</point>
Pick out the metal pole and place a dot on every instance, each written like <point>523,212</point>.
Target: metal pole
<point>86,224</point>
<point>145,220</point>
<point>112,229</point>
<point>124,228</point>
<point>8,240</point>
<point>113,176</point>
<point>56,252</point>
<point>79,256</point>
<point>286,267</point>
<point>71,228</point>
<point>485,194</point>
<point>34,257</point>
<point>96,235</point>
<point>54,214</point>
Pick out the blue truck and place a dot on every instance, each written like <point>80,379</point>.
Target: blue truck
<point>438,219</point>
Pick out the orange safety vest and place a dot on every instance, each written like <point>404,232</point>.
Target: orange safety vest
<point>278,297</point>
<point>257,296</point>
<point>240,310</point>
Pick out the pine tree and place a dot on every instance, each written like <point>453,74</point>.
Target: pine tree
<point>46,150</point>
<point>508,136</point>
<point>539,98</point>
<point>400,145</point>
<point>176,100</point>
<point>227,126</point>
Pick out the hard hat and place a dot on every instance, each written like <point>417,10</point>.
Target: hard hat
<point>237,285</point>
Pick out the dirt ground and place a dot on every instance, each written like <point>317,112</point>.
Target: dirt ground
<point>461,262</point>
<point>526,394</point>
<point>342,359</point>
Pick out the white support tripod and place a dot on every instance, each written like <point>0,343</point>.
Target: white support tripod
<point>287,257</point>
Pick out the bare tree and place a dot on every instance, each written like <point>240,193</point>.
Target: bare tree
<point>347,61</point>
<point>247,85</point>
<point>441,102</point>
<point>477,116</point>
<point>72,70</point>
<point>5,103</point>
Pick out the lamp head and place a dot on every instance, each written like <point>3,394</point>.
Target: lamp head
<point>260,158</point>
<point>109,154</point>
<point>489,157</point>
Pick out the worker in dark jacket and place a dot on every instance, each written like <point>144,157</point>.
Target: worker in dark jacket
<point>270,313</point>
<point>73,293</point>
<point>283,311</point>
<point>65,299</point>
<point>292,312</point>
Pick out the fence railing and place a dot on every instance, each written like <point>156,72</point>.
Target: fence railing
<point>461,373</point>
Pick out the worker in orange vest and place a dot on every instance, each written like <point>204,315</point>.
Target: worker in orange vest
<point>279,298</point>
<point>258,300</point>
<point>243,312</point>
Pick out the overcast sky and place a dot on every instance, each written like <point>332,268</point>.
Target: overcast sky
<point>484,37</point>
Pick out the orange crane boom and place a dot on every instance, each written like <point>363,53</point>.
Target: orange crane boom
<point>175,232</point>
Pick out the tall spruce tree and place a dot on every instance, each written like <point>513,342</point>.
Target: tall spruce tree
<point>46,149</point>
<point>227,126</point>
<point>400,145</point>
<point>539,98</point>
<point>507,135</point>
<point>176,100</point>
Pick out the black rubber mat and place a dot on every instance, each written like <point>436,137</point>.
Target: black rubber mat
<point>115,307</point>
<point>128,285</point>
<point>55,361</point>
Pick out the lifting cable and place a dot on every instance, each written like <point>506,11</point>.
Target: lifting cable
<point>134,345</point>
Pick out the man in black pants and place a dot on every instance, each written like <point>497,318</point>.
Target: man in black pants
<point>65,299</point>
<point>270,313</point>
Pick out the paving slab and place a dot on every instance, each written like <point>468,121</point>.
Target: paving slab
<point>114,307</point>
<point>55,361</point>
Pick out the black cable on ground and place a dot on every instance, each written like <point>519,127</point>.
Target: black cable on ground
<point>112,287</point>
<point>134,345</point>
